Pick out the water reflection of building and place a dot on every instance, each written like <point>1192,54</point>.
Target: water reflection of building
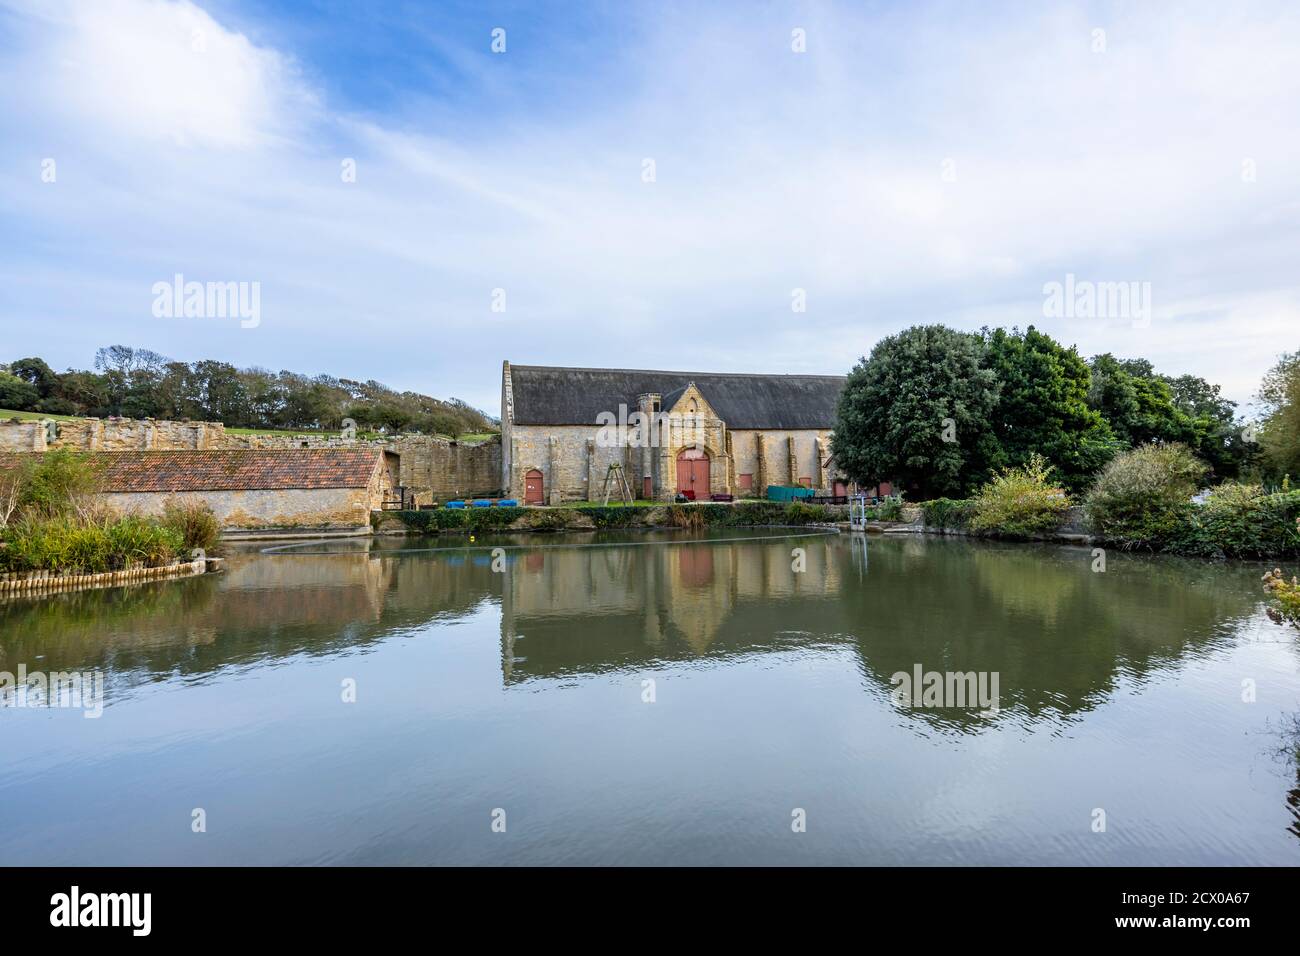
<point>567,610</point>
<point>1059,636</point>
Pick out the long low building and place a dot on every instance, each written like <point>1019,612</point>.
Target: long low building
<point>307,489</point>
<point>702,433</point>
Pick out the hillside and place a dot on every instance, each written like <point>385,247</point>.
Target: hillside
<point>138,383</point>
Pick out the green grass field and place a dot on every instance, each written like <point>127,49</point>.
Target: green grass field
<point>6,414</point>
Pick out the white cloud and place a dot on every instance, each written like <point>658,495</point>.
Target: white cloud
<point>158,70</point>
<point>775,170</point>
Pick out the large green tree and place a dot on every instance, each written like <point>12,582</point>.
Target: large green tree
<point>1136,404</point>
<point>1217,434</point>
<point>17,394</point>
<point>918,412</point>
<point>1279,432</point>
<point>1044,405</point>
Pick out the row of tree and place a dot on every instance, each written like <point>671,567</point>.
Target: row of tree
<point>138,383</point>
<point>941,411</point>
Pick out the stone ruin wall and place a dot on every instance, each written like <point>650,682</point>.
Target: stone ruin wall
<point>432,469</point>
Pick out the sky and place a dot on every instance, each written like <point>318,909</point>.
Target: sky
<point>719,187</point>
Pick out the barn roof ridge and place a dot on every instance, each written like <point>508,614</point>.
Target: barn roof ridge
<point>562,395</point>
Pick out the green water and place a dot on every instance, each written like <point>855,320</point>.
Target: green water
<point>653,700</point>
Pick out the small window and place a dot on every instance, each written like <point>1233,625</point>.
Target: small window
<point>745,481</point>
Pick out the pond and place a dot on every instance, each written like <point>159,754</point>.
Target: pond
<point>657,699</point>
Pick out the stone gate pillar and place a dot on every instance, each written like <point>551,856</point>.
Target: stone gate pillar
<point>730,488</point>
<point>553,471</point>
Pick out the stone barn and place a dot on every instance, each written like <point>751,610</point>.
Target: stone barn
<point>700,433</point>
<point>307,489</point>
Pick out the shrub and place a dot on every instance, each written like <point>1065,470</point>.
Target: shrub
<point>544,519</point>
<point>136,540</point>
<point>193,519</point>
<point>796,512</point>
<point>947,513</point>
<point>68,544</point>
<point>462,519</point>
<point>686,516</point>
<point>613,517</point>
<point>1020,502</point>
<point>1238,521</point>
<point>694,517</point>
<point>55,483</point>
<point>890,507</point>
<point>1142,497</point>
<point>1286,597</point>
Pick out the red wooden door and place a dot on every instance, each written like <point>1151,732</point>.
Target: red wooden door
<point>693,473</point>
<point>533,488</point>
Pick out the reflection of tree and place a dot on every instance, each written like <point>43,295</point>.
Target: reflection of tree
<point>1057,633</point>
<point>1290,752</point>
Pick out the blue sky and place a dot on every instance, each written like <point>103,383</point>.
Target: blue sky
<point>918,163</point>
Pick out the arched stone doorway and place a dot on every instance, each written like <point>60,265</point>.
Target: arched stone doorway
<point>534,493</point>
<point>693,472</point>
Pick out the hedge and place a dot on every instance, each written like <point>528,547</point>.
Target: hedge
<point>1237,521</point>
<point>740,515</point>
<point>950,513</point>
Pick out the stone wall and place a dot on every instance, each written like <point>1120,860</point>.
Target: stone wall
<point>432,468</point>
<point>562,454</point>
<point>334,509</point>
<point>781,458</point>
<point>111,434</point>
<point>574,465</point>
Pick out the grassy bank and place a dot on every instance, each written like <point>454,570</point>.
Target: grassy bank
<point>52,518</point>
<point>1145,500</point>
<point>586,517</point>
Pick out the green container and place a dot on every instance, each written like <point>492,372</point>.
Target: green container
<point>788,492</point>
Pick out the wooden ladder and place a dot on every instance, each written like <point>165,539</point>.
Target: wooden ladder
<point>624,491</point>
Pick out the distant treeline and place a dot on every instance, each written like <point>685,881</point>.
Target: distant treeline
<point>138,383</point>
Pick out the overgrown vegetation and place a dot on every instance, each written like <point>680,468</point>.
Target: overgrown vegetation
<point>1279,431</point>
<point>460,519</point>
<point>1286,597</point>
<point>1238,521</point>
<point>1020,502</point>
<point>52,519</point>
<point>194,521</point>
<point>694,517</point>
<point>138,383</point>
<point>951,513</point>
<point>890,508</point>
<point>1140,497</point>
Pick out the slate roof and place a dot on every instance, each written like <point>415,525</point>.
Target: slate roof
<point>238,469</point>
<point>547,395</point>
